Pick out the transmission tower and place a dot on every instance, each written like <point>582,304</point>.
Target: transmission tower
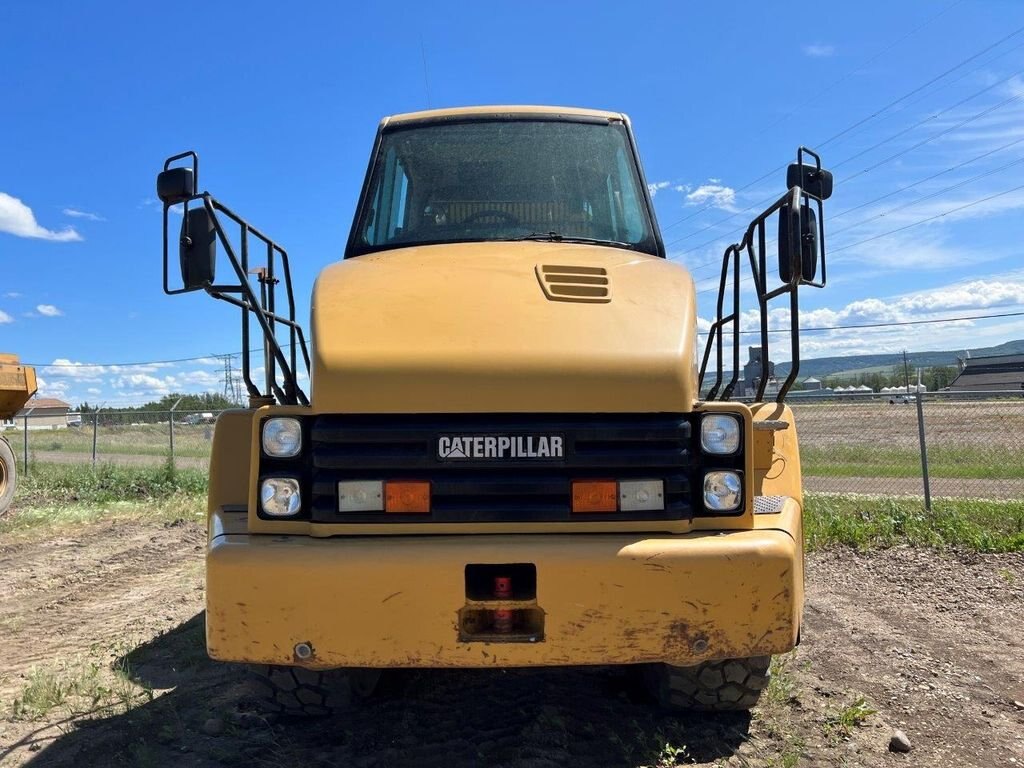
<point>232,386</point>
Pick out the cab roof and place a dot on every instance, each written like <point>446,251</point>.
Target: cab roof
<point>441,115</point>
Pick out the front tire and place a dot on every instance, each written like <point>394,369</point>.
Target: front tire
<point>301,692</point>
<point>8,475</point>
<point>714,686</point>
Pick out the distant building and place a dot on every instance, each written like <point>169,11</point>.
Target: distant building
<point>752,374</point>
<point>812,384</point>
<point>996,372</point>
<point>43,413</point>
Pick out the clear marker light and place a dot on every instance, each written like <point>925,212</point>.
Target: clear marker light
<point>641,495</point>
<point>723,491</point>
<point>720,434</point>
<point>282,437</point>
<point>361,496</point>
<point>280,496</point>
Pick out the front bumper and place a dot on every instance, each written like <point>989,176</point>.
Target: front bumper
<point>397,601</point>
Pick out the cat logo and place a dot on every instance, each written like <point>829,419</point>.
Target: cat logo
<point>455,447</point>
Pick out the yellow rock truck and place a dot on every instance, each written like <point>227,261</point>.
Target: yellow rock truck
<point>17,385</point>
<point>510,453</point>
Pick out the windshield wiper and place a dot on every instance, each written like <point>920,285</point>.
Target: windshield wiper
<point>557,237</point>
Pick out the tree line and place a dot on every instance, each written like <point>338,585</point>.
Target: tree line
<point>157,410</point>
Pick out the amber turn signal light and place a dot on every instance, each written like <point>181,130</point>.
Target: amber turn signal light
<point>407,497</point>
<point>595,496</point>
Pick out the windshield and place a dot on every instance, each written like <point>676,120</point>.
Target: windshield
<point>493,180</point>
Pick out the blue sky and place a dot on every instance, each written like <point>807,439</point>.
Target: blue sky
<point>282,101</point>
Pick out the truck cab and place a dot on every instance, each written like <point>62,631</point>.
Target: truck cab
<point>505,457</point>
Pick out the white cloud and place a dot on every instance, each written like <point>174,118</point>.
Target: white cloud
<point>984,295</point>
<point>713,194</point>
<point>17,219</point>
<point>12,295</point>
<point>819,50</point>
<point>48,310</point>
<point>654,186</point>
<point>77,214</point>
<point>5,318</point>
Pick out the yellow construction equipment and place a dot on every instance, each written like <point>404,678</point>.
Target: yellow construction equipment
<point>17,385</point>
<point>511,452</point>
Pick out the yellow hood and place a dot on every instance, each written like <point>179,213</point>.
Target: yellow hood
<point>469,328</point>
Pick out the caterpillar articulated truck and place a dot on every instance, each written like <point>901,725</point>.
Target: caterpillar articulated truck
<point>17,385</point>
<point>509,451</point>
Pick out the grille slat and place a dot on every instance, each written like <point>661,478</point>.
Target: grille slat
<point>596,446</point>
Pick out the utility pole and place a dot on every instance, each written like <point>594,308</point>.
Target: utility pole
<point>906,372</point>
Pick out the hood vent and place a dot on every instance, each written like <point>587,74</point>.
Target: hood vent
<point>584,284</point>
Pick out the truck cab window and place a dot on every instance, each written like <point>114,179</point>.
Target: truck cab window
<point>500,180</point>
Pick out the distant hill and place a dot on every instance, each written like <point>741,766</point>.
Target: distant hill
<point>850,366</point>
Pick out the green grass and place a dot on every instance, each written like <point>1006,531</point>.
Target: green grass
<point>191,441</point>
<point>80,686</point>
<point>840,724</point>
<point>866,522</point>
<point>66,483</point>
<point>59,495</point>
<point>880,461</point>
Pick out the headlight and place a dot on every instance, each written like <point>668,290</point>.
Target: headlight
<point>720,433</point>
<point>282,438</point>
<point>280,496</point>
<point>723,491</point>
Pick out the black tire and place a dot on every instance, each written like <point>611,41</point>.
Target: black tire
<point>8,475</point>
<point>715,686</point>
<point>300,692</point>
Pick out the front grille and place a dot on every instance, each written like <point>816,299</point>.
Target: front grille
<point>509,489</point>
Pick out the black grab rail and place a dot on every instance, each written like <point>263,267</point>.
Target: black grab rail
<point>801,250</point>
<point>280,369</point>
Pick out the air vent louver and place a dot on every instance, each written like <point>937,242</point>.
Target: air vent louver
<point>567,283</point>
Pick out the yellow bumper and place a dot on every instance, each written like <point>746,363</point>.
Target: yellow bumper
<point>395,601</point>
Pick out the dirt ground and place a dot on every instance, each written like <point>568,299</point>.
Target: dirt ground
<point>932,642</point>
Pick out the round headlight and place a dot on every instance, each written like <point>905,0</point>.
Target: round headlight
<point>280,496</point>
<point>282,437</point>
<point>720,433</point>
<point>723,491</point>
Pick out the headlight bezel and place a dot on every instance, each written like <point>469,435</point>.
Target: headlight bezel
<point>738,476</point>
<point>709,419</point>
<point>273,421</point>
<point>295,482</point>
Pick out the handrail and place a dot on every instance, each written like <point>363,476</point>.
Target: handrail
<point>280,369</point>
<point>795,204</point>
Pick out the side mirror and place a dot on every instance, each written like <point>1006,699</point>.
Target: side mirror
<point>197,249</point>
<point>798,244</point>
<point>816,182</point>
<point>175,185</point>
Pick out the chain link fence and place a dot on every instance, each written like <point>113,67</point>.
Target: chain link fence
<point>968,445</point>
<point>119,437</point>
<point>928,445</point>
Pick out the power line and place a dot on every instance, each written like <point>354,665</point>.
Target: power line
<point>942,191</point>
<point>877,165</point>
<point>894,324</point>
<point>934,136</point>
<point>860,66</point>
<point>857,124</point>
<point>931,117</point>
<point>926,220</point>
<point>834,216</point>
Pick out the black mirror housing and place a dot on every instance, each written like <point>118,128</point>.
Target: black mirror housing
<point>801,254</point>
<point>175,185</point>
<point>197,248</point>
<point>817,182</point>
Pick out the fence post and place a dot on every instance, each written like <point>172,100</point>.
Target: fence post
<point>170,422</point>
<point>95,426</point>
<point>924,452</point>
<point>25,438</point>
